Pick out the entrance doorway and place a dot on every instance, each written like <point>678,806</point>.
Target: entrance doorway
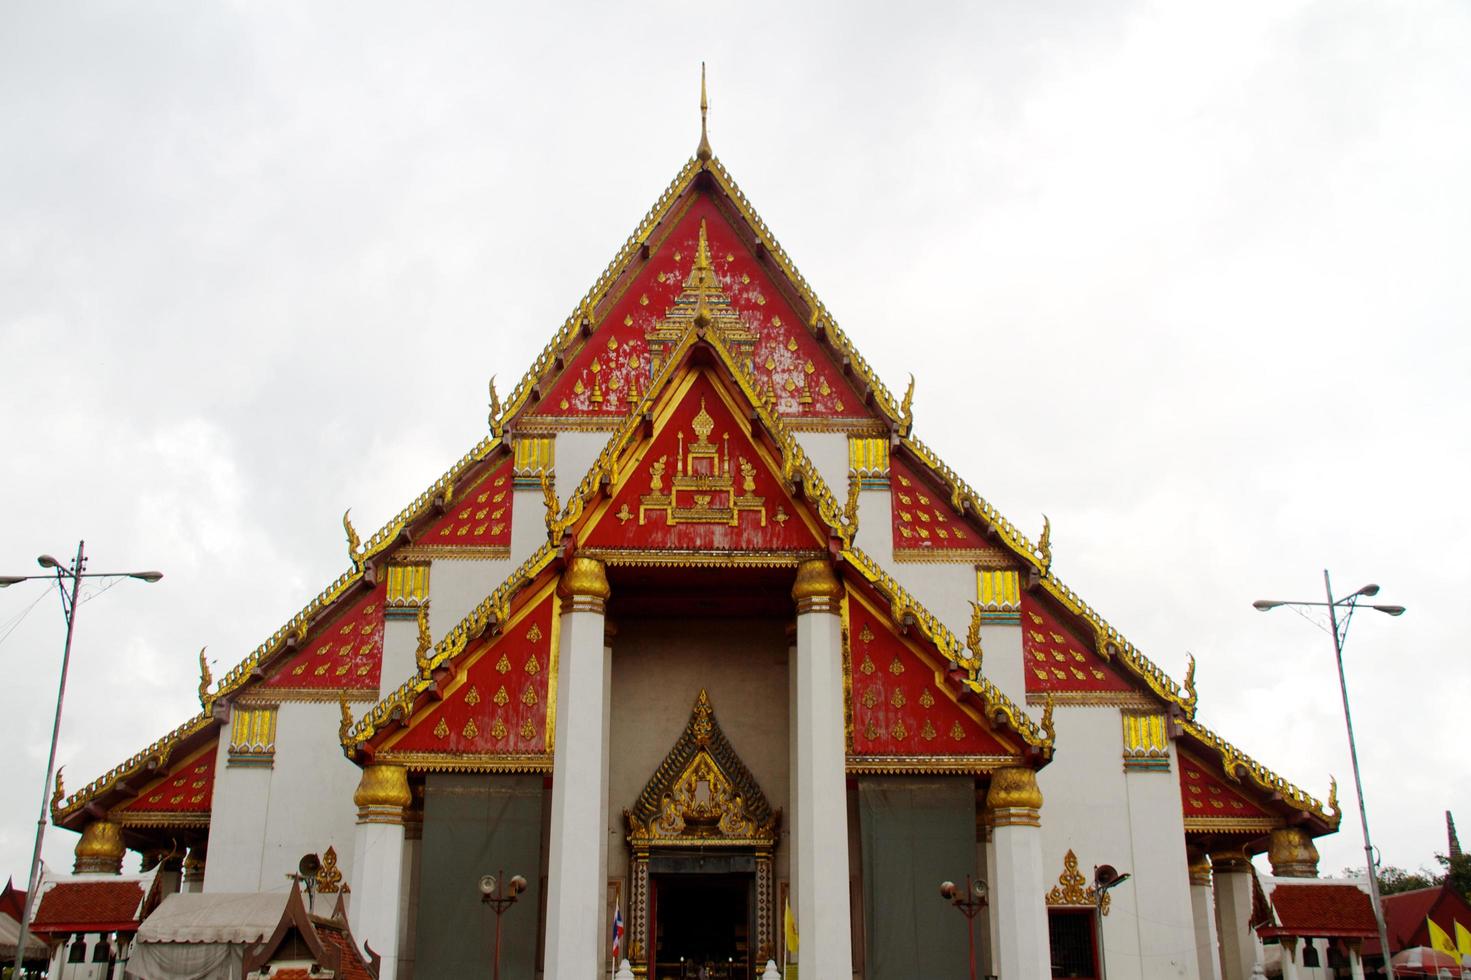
<point>703,925</point>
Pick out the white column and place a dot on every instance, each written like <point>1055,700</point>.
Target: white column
<point>1232,872</point>
<point>378,858</point>
<point>1203,908</point>
<point>819,780</point>
<point>1289,957</point>
<point>1023,948</point>
<point>575,870</point>
<point>1355,960</point>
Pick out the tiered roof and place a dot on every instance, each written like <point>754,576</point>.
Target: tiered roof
<point>702,190</point>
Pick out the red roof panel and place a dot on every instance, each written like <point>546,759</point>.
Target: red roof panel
<point>89,906</point>
<point>1322,910</point>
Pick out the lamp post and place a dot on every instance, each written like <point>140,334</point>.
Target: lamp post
<point>970,902</point>
<point>1105,876</point>
<point>491,895</point>
<point>59,575</point>
<point>1347,605</point>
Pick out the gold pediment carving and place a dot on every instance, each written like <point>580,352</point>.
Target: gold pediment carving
<point>702,794</point>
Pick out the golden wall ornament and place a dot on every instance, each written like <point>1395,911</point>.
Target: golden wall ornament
<point>1072,888</point>
<point>329,875</point>
<point>252,734</point>
<point>1146,741</point>
<point>702,489</point>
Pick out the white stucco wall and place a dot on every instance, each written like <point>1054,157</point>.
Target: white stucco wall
<point>237,823</point>
<point>828,452</point>
<point>456,586</point>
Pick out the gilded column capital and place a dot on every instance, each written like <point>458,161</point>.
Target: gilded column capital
<point>584,586</point>
<point>817,589</point>
<point>101,849</point>
<point>383,794</point>
<point>1014,798</point>
<point>1230,862</point>
<point>1292,853</point>
<point>1200,869</point>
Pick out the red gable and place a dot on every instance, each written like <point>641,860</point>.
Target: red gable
<point>616,364</point>
<point>1056,660</point>
<point>924,522</point>
<point>1204,795</point>
<point>343,656</point>
<point>498,705</point>
<point>900,706</point>
<point>89,906</point>
<point>187,789</point>
<point>702,484</point>
<point>478,521</point>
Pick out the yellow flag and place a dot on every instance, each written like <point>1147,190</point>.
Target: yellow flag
<point>1463,939</point>
<point>790,924</point>
<point>1440,939</point>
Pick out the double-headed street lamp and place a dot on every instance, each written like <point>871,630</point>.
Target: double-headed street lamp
<point>1347,605</point>
<point>55,572</point>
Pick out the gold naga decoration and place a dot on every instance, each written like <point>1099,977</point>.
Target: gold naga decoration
<point>553,508</point>
<point>345,724</point>
<point>1073,889</point>
<point>494,418</point>
<point>702,794</point>
<point>59,793</point>
<point>205,680</point>
<point>1332,792</point>
<point>1044,545</point>
<point>1189,685</point>
<point>906,409</point>
<point>973,636</point>
<point>426,642</point>
<point>1046,722</point>
<point>850,508</point>
<point>354,543</point>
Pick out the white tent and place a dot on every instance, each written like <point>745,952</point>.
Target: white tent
<point>203,936</point>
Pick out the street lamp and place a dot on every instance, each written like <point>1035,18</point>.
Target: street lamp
<point>1105,876</point>
<point>970,902</point>
<point>491,895</point>
<point>1348,604</point>
<point>57,573</point>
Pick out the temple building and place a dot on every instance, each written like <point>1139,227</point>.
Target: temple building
<point>701,630</point>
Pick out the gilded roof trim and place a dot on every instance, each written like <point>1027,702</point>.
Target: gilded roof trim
<point>297,626</point>
<point>1235,762</point>
<point>903,606</point>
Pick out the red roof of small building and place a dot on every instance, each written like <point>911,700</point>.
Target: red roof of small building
<point>1321,910</point>
<point>89,906</point>
<point>1405,915</point>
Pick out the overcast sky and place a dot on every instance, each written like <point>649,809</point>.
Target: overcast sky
<point>1191,279</point>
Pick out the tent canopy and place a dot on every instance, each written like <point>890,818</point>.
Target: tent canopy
<point>214,917</point>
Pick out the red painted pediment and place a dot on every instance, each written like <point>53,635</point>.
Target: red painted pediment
<point>900,703</point>
<point>604,379</point>
<point>926,526</point>
<point>1205,794</point>
<point>344,655</point>
<point>1057,660</point>
<point>477,522</point>
<point>701,482</point>
<point>187,789</point>
<point>500,702</point>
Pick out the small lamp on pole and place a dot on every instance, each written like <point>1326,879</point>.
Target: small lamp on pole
<point>500,895</point>
<point>969,902</point>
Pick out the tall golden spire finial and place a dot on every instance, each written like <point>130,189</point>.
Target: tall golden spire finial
<point>703,153</point>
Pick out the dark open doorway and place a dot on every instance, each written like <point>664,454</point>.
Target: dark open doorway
<point>703,925</point>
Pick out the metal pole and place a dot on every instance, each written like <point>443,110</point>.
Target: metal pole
<point>70,609</point>
<point>970,928</point>
<point>498,943</point>
<point>1102,953</point>
<point>1353,753</point>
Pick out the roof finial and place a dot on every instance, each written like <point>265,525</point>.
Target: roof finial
<point>703,153</point>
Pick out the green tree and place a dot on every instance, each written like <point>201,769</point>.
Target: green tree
<point>1393,880</point>
<point>1457,873</point>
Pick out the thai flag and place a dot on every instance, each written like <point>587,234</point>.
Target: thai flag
<point>617,934</point>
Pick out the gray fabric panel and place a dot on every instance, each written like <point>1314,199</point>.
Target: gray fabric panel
<point>476,825</point>
<point>916,834</point>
